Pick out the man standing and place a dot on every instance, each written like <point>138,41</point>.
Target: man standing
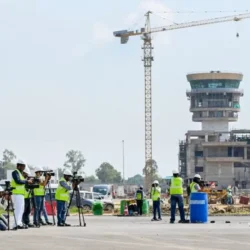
<point>39,194</point>
<point>176,192</point>
<point>139,196</point>
<point>27,201</point>
<point>18,183</point>
<point>62,197</point>
<point>156,197</point>
<point>229,195</point>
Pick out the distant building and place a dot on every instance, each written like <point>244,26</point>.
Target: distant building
<point>214,152</point>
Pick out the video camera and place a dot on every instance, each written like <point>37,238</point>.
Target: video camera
<point>8,189</point>
<point>49,172</point>
<point>204,184</point>
<point>35,184</point>
<point>77,178</point>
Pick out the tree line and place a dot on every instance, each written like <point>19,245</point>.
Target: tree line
<point>75,162</point>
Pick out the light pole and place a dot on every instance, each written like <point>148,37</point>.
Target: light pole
<point>123,162</point>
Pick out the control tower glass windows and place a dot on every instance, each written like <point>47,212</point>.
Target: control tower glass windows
<point>211,84</point>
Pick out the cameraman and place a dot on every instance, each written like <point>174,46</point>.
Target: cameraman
<point>194,187</point>
<point>39,194</point>
<point>27,201</point>
<point>62,197</point>
<point>18,183</point>
<point>156,197</point>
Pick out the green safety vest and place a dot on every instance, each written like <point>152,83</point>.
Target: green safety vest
<point>19,188</point>
<point>156,193</point>
<point>62,194</point>
<point>39,191</point>
<point>139,195</point>
<point>192,188</point>
<point>176,186</point>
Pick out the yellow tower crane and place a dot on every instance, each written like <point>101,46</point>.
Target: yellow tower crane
<point>145,34</point>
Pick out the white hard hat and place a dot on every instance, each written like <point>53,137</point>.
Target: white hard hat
<point>38,169</point>
<point>21,162</point>
<point>175,171</point>
<point>197,176</point>
<point>67,172</point>
<point>156,182</point>
<point>27,171</point>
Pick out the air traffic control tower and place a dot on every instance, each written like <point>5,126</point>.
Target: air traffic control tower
<point>214,152</point>
<point>215,99</point>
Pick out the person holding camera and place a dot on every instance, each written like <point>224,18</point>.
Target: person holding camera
<point>18,183</point>
<point>39,194</point>
<point>62,197</point>
<point>27,201</point>
<point>156,197</point>
<point>176,192</point>
<point>194,187</point>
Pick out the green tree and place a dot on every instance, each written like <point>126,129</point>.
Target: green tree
<point>151,168</point>
<point>75,161</point>
<point>90,179</point>
<point>137,179</point>
<point>108,174</point>
<point>8,156</point>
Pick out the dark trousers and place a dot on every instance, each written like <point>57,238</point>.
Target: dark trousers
<point>39,204</point>
<point>156,209</point>
<point>139,206</point>
<point>177,199</point>
<point>27,210</point>
<point>61,212</point>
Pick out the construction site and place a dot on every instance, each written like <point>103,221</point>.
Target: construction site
<point>202,204</point>
<point>218,154</point>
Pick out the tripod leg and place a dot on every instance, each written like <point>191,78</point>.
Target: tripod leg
<point>51,204</point>
<point>83,218</point>
<point>72,195</point>
<point>10,204</point>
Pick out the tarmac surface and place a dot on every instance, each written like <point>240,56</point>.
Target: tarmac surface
<point>110,232</point>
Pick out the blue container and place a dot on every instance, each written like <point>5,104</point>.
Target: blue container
<point>198,208</point>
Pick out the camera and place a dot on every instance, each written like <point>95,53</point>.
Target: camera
<point>35,184</point>
<point>49,172</point>
<point>8,188</point>
<point>77,178</point>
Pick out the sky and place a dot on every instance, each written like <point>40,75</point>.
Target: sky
<point>67,83</point>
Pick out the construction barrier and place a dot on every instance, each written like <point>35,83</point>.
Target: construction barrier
<point>48,207</point>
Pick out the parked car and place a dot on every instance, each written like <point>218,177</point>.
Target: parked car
<point>93,196</point>
<point>86,204</point>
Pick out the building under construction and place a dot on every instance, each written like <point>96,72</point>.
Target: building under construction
<point>214,152</point>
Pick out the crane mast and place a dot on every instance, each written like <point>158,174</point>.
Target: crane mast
<point>148,59</point>
<point>145,34</point>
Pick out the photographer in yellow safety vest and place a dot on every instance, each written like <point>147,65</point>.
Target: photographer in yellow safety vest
<point>62,197</point>
<point>39,195</point>
<point>194,186</point>
<point>176,192</point>
<point>18,183</point>
<point>156,197</point>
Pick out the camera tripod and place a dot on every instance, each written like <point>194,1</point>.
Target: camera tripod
<point>76,192</point>
<point>9,206</point>
<point>51,204</point>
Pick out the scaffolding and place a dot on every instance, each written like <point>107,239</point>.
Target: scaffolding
<point>183,159</point>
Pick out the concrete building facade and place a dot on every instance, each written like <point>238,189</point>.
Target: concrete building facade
<point>217,154</point>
